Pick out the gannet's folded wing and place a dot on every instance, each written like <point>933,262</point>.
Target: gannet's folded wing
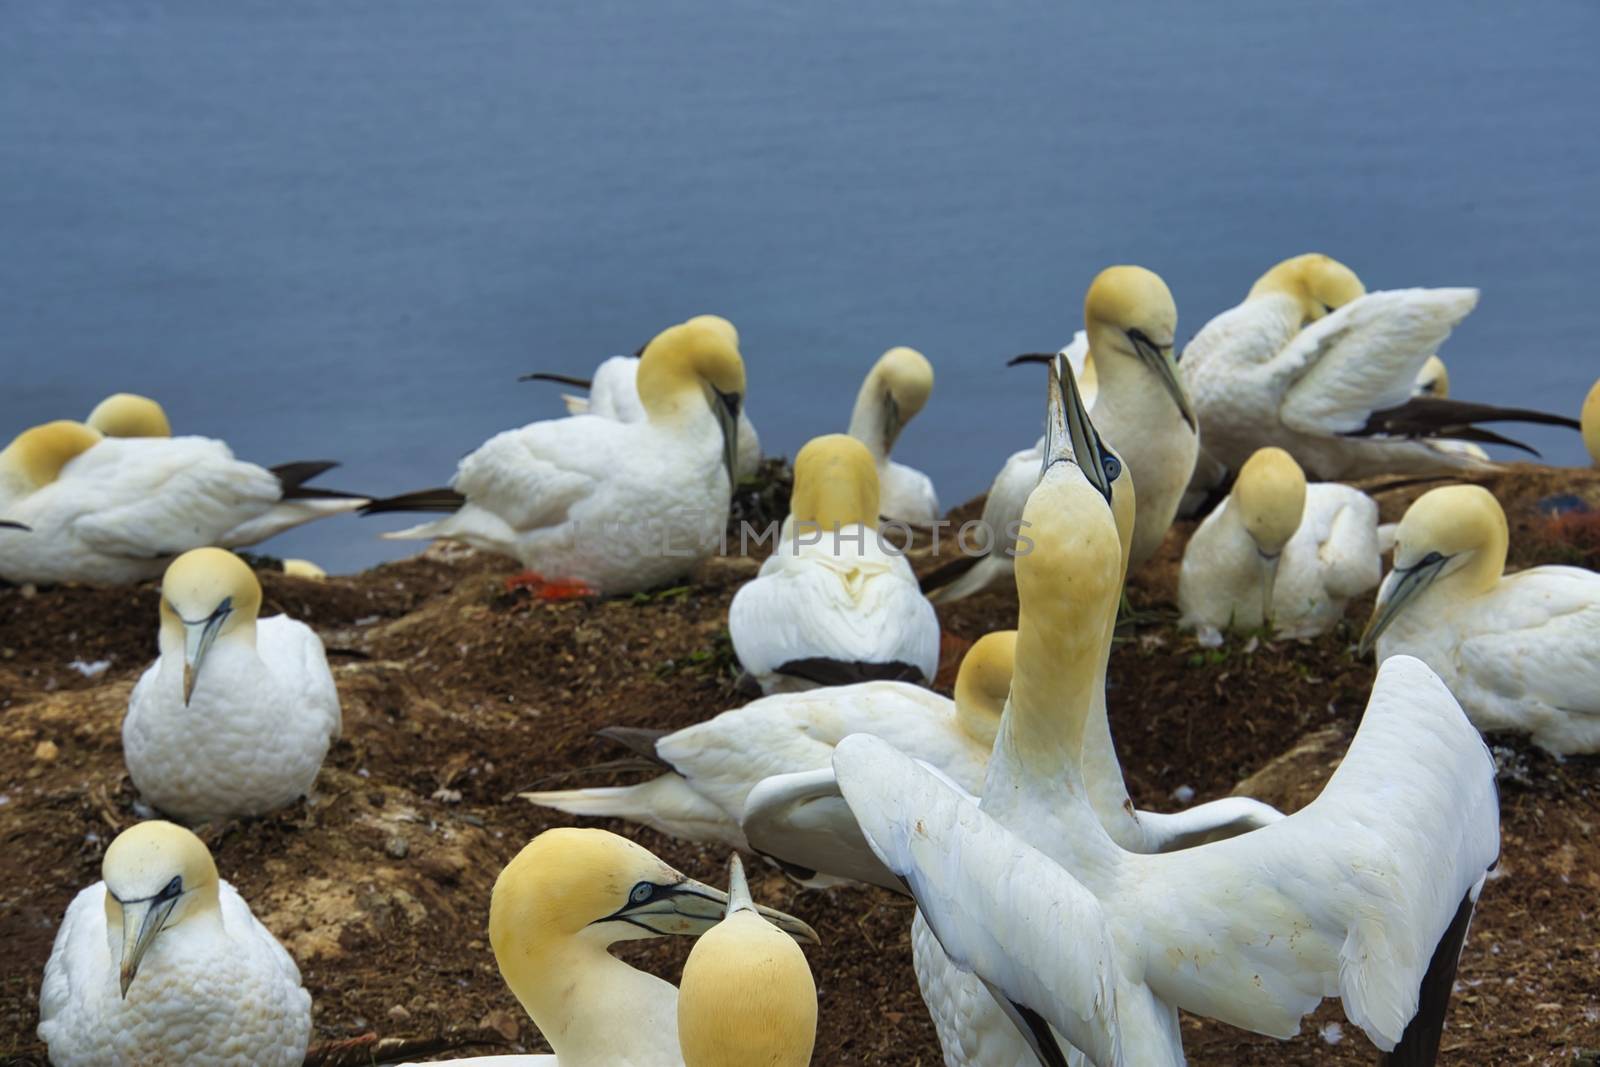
<point>1364,357</point>
<point>801,821</point>
<point>999,907</point>
<point>532,477</point>
<point>1352,896</point>
<point>1349,551</point>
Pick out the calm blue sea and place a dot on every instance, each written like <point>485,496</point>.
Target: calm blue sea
<point>341,230</point>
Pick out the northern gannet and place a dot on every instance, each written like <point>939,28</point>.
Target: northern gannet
<point>835,603</point>
<point>304,568</point>
<point>713,766</point>
<point>1314,364</point>
<point>893,392</point>
<point>116,510</point>
<point>1279,553</point>
<point>747,998</point>
<point>1520,651</point>
<point>557,908</point>
<point>1591,423</point>
<point>617,506</point>
<point>235,717</point>
<point>614,394</point>
<point>1084,485</point>
<point>129,415</point>
<point>162,964</point>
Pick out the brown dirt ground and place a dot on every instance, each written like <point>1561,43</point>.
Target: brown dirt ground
<point>457,694</point>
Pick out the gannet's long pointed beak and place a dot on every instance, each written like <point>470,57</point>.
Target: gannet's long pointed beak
<point>198,637</point>
<point>1069,435</point>
<point>7,524</point>
<point>892,423</point>
<point>739,898</point>
<point>1159,359</point>
<point>1399,589</point>
<point>142,920</point>
<point>1269,581</point>
<point>727,411</point>
<point>690,908</point>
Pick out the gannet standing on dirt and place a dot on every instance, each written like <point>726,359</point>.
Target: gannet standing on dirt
<point>129,415</point>
<point>558,906</point>
<point>237,714</point>
<point>1591,424</point>
<point>747,998</point>
<point>614,394</point>
<point>1279,553</point>
<point>896,388</point>
<point>162,964</point>
<point>1337,393</point>
<point>1520,651</point>
<point>712,766</point>
<point>615,507</point>
<point>115,510</point>
<point>834,604</point>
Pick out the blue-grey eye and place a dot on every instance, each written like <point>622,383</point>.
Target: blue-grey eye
<point>641,892</point>
<point>1112,466</point>
<point>171,889</point>
<point>1431,558</point>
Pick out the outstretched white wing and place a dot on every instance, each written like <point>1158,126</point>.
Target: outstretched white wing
<point>801,820</point>
<point>999,907</point>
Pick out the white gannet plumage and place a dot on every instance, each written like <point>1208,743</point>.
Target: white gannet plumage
<point>162,964</point>
<point>1279,551</point>
<point>835,603</point>
<point>747,998</point>
<point>237,714</point>
<point>1344,898</point>
<point>116,510</point>
<point>1520,651</point>
<point>613,393</point>
<point>557,908</point>
<point>619,506</point>
<point>893,392</point>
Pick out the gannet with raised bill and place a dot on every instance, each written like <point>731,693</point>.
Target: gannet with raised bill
<point>114,510</point>
<point>557,908</point>
<point>897,387</point>
<point>1085,484</point>
<point>1313,364</point>
<point>618,507</point>
<point>1362,894</point>
<point>713,766</point>
<point>1279,553</point>
<point>236,715</point>
<point>129,415</point>
<point>747,998</point>
<point>1591,424</point>
<point>1520,651</point>
<point>835,603</point>
<point>614,394</point>
<point>162,964</point>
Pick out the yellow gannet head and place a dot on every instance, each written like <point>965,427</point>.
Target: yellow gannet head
<point>1270,498</point>
<point>1433,379</point>
<point>897,387</point>
<point>1453,537</point>
<point>1590,421</point>
<point>130,415</point>
<point>207,593</point>
<point>695,362</point>
<point>747,998</point>
<point>303,568</point>
<point>35,456</point>
<point>1319,283</point>
<point>1129,312</point>
<point>156,875</point>
<point>983,683</point>
<point>835,484</point>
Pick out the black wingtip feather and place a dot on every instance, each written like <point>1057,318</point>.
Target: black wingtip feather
<point>1419,1045</point>
<point>830,672</point>
<point>424,500</point>
<point>946,573</point>
<point>559,379</point>
<point>1030,357</point>
<point>637,739</point>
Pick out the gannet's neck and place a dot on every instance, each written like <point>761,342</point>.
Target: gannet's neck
<point>869,422</point>
<point>1487,566</point>
<point>594,1009</point>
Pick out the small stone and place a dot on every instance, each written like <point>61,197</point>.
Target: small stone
<point>397,847</point>
<point>501,1022</point>
<point>399,1014</point>
<point>46,752</point>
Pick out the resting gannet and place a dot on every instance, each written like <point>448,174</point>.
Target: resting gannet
<point>1520,651</point>
<point>617,506</point>
<point>558,907</point>
<point>162,965</point>
<point>1357,894</point>
<point>115,510</point>
<point>747,998</point>
<point>129,415</point>
<point>1279,553</point>
<point>614,394</point>
<point>1591,423</point>
<point>237,714</point>
<point>1312,363</point>
<point>894,391</point>
<point>713,766</point>
<point>1083,482</point>
<point>303,568</point>
<point>834,603</point>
